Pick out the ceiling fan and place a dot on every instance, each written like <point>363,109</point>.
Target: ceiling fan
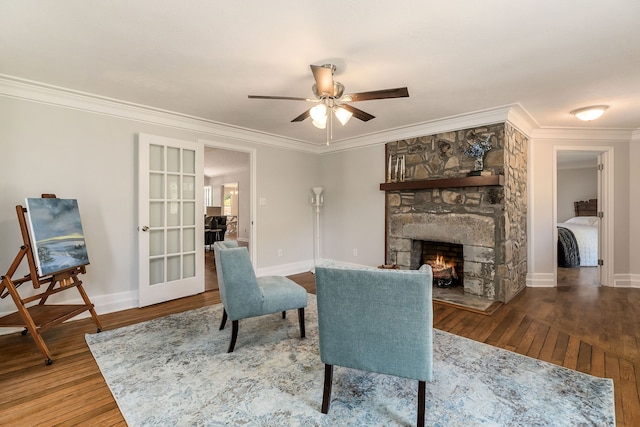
<point>330,97</point>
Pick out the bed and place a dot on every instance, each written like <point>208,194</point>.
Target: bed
<point>578,237</point>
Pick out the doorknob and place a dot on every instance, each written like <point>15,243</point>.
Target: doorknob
<point>144,228</point>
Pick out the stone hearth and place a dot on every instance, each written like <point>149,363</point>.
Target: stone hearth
<point>488,220</point>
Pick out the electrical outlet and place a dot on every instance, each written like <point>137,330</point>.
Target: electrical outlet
<point>279,252</point>
<point>355,252</point>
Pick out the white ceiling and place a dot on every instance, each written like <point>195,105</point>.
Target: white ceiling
<point>202,58</point>
<point>577,159</point>
<point>219,162</point>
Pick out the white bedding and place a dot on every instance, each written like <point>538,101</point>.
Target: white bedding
<point>587,239</point>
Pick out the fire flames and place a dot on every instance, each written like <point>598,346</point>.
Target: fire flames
<point>443,269</point>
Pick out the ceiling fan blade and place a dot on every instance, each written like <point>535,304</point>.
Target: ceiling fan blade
<point>290,98</point>
<point>400,92</point>
<point>302,116</point>
<point>358,114</point>
<point>324,79</point>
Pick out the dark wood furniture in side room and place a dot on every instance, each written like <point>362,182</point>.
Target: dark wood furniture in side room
<point>586,208</point>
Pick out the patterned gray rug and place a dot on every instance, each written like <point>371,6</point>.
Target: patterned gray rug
<point>174,371</point>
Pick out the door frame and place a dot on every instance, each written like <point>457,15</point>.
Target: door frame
<point>605,204</point>
<point>252,191</point>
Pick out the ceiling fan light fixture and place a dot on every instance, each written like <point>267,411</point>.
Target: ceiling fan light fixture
<point>320,123</point>
<point>319,113</point>
<point>589,113</point>
<point>331,100</point>
<point>342,114</point>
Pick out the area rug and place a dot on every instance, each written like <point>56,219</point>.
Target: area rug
<point>174,371</point>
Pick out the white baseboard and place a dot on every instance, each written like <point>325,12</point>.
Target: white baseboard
<point>541,280</point>
<point>350,264</point>
<point>546,280</point>
<point>110,303</point>
<point>115,302</point>
<point>103,304</point>
<point>626,280</point>
<point>286,269</point>
<point>301,267</point>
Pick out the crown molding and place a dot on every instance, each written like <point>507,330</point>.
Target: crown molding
<point>520,118</point>
<point>489,116</point>
<point>13,87</point>
<point>574,134</point>
<point>515,114</point>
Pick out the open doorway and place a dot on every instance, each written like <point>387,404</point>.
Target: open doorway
<point>582,201</point>
<point>228,189</point>
<point>227,173</point>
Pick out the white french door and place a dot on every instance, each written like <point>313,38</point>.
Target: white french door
<point>170,220</point>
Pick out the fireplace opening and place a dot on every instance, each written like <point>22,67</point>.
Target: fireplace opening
<point>447,262</point>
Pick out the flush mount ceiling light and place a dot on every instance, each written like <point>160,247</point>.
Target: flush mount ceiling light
<point>590,113</point>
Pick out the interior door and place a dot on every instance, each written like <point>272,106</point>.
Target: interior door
<point>171,224</point>
<point>601,232</point>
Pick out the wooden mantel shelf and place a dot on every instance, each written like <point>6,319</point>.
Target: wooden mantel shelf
<point>423,184</point>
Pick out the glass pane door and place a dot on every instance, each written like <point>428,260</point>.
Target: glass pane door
<point>171,257</point>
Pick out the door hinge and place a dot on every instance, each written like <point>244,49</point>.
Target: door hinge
<point>600,214</point>
<point>600,167</point>
<point>601,262</point>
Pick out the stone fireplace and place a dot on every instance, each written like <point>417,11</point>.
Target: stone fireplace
<point>438,202</point>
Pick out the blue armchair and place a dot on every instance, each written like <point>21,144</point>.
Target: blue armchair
<point>245,295</point>
<point>378,321</point>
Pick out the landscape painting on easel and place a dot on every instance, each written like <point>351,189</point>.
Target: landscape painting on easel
<point>56,234</point>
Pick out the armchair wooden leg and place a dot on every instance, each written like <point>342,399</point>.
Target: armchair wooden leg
<point>421,402</point>
<point>224,319</point>
<point>284,314</point>
<point>326,393</point>
<point>234,335</point>
<point>301,322</point>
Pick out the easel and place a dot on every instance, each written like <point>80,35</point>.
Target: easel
<point>40,317</point>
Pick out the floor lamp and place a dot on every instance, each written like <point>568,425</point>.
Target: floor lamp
<point>317,200</point>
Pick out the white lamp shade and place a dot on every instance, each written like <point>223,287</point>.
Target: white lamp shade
<point>590,113</point>
<point>318,113</point>
<point>343,115</point>
<point>320,123</point>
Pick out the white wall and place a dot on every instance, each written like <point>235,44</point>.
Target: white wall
<point>575,185</point>
<point>353,212</point>
<point>88,157</point>
<point>242,177</point>
<point>216,189</point>
<point>285,217</point>
<point>541,226</point>
<point>91,157</point>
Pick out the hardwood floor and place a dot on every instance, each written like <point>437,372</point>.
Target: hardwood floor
<point>587,328</point>
<point>210,278</point>
<point>586,276</point>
